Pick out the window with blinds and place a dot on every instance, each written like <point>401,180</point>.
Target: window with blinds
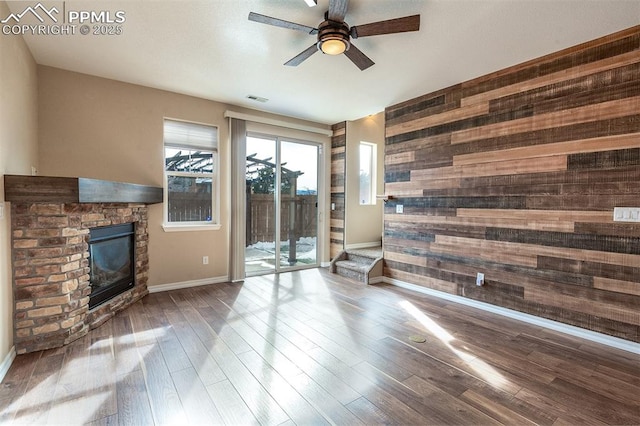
<point>190,158</point>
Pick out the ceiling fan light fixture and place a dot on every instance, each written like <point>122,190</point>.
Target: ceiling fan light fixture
<point>333,37</point>
<point>333,46</point>
<point>311,3</point>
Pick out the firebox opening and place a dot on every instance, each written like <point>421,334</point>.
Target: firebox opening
<point>111,261</point>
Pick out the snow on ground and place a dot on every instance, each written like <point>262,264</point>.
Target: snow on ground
<point>264,250</point>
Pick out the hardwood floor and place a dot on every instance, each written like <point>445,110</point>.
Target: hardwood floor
<point>309,347</point>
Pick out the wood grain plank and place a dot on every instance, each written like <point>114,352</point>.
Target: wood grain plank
<point>198,406</point>
<point>605,143</point>
<point>599,111</point>
<point>74,381</point>
<point>230,405</point>
<point>265,409</point>
<point>557,77</point>
<point>481,249</point>
<point>421,280</point>
<point>163,398</point>
<point>447,406</point>
<point>133,401</point>
<point>296,352</point>
<point>298,409</point>
<point>559,215</point>
<point>436,119</point>
<point>545,404</point>
<point>535,250</point>
<point>494,409</point>
<point>369,413</point>
<point>617,286</point>
<point>198,354</point>
<point>403,157</point>
<point>495,168</point>
<point>594,50</point>
<point>106,350</point>
<point>605,310</point>
<point>486,221</point>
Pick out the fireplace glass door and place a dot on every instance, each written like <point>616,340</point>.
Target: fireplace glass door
<point>111,261</point>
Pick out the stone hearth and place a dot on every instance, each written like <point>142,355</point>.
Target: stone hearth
<point>51,274</point>
<point>50,222</point>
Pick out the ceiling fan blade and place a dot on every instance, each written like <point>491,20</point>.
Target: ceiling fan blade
<point>311,3</point>
<point>337,10</point>
<point>361,60</point>
<point>256,17</point>
<point>302,56</point>
<point>391,26</point>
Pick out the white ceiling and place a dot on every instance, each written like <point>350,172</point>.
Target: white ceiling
<point>211,50</point>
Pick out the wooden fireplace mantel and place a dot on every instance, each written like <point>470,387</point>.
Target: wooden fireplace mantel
<point>49,189</point>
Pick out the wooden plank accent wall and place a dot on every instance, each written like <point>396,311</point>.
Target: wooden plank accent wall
<point>516,174</point>
<point>338,170</point>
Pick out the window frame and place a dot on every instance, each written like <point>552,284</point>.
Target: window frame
<point>214,224</point>
<point>372,173</point>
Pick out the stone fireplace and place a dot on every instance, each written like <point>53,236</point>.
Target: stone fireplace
<point>53,302</point>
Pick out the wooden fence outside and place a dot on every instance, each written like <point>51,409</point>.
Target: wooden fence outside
<point>190,207</point>
<point>261,224</point>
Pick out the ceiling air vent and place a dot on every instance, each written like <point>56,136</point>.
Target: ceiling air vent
<point>257,98</point>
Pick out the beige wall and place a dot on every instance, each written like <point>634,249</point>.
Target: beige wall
<point>18,152</point>
<point>363,224</point>
<point>104,129</point>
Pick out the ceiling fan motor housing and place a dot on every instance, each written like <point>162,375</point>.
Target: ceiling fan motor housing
<point>332,30</point>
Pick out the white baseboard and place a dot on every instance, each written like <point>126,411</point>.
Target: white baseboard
<point>325,264</point>
<point>363,245</point>
<point>571,330</point>
<point>376,280</point>
<point>186,284</point>
<point>6,362</point>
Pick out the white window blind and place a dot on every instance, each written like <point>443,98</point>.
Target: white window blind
<point>191,188</point>
<point>190,135</point>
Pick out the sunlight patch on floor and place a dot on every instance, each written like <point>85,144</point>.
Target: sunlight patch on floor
<point>83,396</point>
<point>68,412</point>
<point>140,338</point>
<point>427,322</point>
<point>483,369</point>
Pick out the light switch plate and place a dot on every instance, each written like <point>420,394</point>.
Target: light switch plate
<point>626,214</point>
<point>399,208</point>
<point>1,210</point>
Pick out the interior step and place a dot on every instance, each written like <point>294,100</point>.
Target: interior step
<point>364,265</point>
<point>362,259</point>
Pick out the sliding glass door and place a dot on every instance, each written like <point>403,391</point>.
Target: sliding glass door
<point>281,204</point>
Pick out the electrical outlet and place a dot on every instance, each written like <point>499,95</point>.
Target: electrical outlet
<point>205,260</point>
<point>399,208</point>
<point>626,214</point>
<point>480,279</point>
<point>34,171</point>
<point>333,206</point>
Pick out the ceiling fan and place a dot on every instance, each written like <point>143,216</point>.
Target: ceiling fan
<point>334,35</point>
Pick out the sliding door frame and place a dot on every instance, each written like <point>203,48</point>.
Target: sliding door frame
<point>277,199</point>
